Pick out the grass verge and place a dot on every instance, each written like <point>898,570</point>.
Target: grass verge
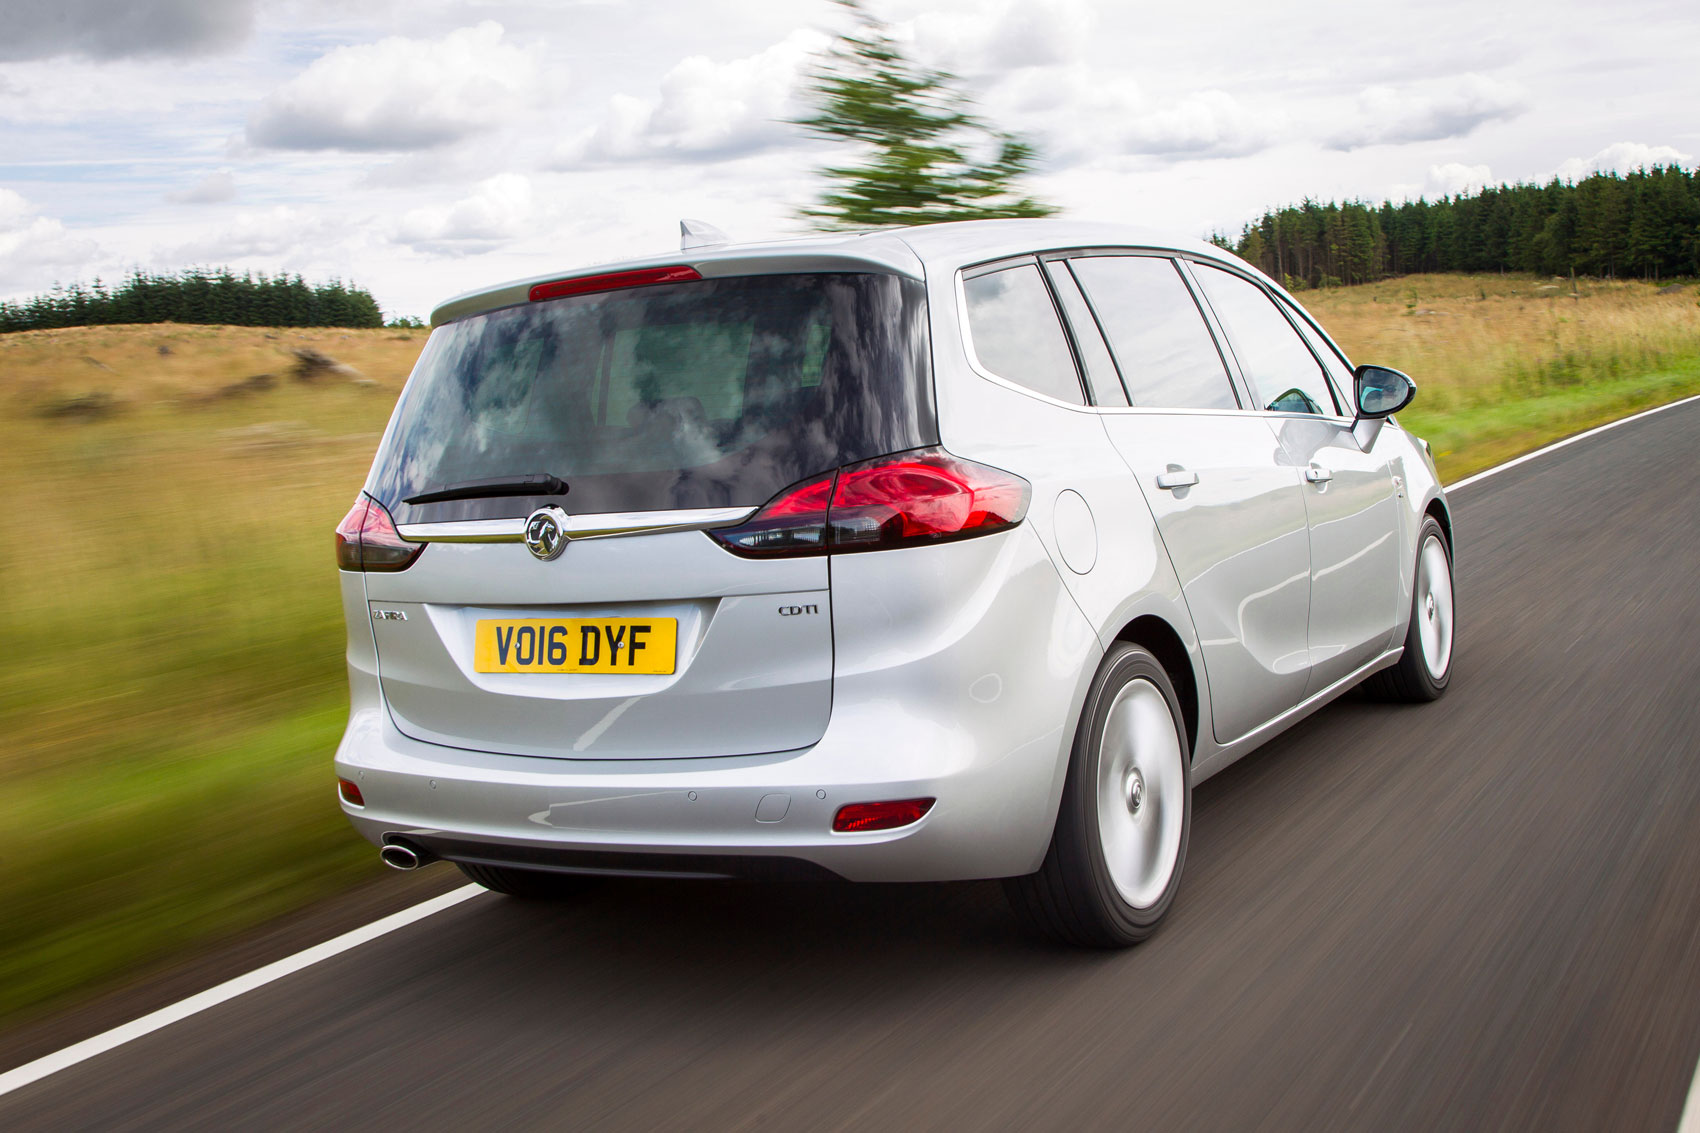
<point>1470,439</point>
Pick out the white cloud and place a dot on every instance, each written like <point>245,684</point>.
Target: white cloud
<point>1386,116</point>
<point>1454,178</point>
<point>499,209</point>
<point>1078,114</point>
<point>276,236</point>
<point>1622,157</point>
<point>37,251</point>
<point>214,188</point>
<point>992,40</point>
<point>103,29</point>
<point>399,94</point>
<point>81,91</point>
<point>1210,123</point>
<point>704,109</point>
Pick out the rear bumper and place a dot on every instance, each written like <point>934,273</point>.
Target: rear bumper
<point>957,677</point>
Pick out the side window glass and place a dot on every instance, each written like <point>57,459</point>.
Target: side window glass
<point>1101,377</point>
<point>1013,325</point>
<point>1163,346</point>
<point>1339,371</point>
<point>1282,372</point>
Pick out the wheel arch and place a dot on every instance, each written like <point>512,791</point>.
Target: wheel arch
<point>1155,634</point>
<point>1443,516</point>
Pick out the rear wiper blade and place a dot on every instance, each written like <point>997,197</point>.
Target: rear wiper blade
<point>540,484</point>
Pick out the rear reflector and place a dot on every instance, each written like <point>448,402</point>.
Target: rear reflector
<point>366,539</point>
<point>349,792</point>
<point>612,281</point>
<point>858,817</point>
<point>924,496</point>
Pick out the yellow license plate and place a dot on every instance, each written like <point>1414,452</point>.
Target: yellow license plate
<point>576,645</point>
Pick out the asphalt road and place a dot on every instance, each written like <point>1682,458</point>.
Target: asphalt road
<point>1478,914</point>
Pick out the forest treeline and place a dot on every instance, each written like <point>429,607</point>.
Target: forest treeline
<point>1643,225</point>
<point>198,296</point>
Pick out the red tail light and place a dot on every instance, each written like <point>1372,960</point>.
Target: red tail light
<point>791,523</point>
<point>858,817</point>
<point>612,281</point>
<point>366,539</point>
<point>924,496</point>
<point>350,792</point>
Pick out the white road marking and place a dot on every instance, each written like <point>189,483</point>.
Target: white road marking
<point>241,985</point>
<point>1689,1122</point>
<point>1556,445</point>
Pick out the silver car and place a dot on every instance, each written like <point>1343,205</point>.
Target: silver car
<point>958,551</point>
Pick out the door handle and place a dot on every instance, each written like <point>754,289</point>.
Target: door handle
<point>1318,475</point>
<point>1169,481</point>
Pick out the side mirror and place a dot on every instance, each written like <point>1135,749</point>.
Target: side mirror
<point>1381,391</point>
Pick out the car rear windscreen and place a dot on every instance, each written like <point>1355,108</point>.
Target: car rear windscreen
<point>711,393</point>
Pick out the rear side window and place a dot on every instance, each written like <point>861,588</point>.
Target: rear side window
<point>1167,355</point>
<point>712,393</point>
<point>1013,325</point>
<point>1283,373</point>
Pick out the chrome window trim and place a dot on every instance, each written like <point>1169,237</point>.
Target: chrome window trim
<point>603,525</point>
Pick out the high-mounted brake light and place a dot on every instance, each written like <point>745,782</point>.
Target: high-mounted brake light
<point>366,539</point>
<point>858,817</point>
<point>924,496</point>
<point>612,281</point>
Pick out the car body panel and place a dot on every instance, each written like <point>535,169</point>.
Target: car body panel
<point>1357,548</point>
<point>944,690</point>
<point>750,679</point>
<point>1239,545</point>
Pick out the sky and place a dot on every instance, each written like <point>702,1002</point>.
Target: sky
<point>421,148</point>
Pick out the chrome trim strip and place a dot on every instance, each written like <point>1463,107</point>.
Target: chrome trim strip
<point>604,525</point>
<point>465,531</point>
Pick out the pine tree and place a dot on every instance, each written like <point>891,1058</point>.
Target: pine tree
<point>922,133</point>
<point>199,295</point>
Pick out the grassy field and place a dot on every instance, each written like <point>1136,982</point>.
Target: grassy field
<point>171,681</point>
<point>1505,364</point>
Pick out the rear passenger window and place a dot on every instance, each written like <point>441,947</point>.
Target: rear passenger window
<point>1282,372</point>
<point>1167,356</point>
<point>1013,325</point>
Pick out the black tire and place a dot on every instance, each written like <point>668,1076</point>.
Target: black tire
<point>527,884</point>
<point>1073,898</point>
<point>1413,680</point>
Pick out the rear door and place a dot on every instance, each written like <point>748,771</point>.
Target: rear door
<point>1229,510</point>
<point>666,410</point>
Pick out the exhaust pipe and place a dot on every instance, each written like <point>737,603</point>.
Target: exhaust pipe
<point>397,856</point>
